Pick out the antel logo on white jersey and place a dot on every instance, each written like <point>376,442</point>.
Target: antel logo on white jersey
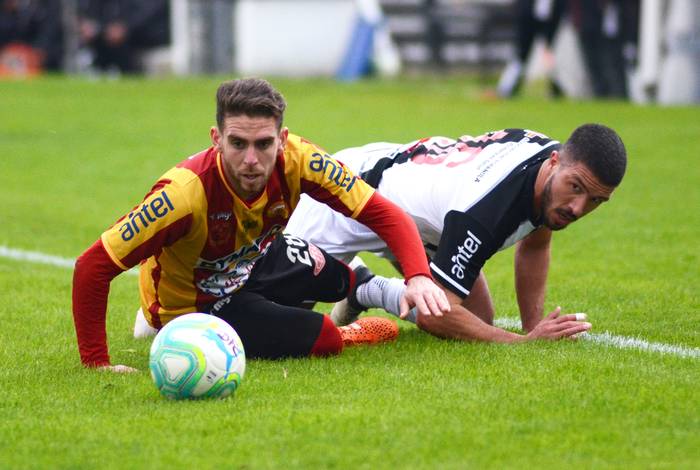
<point>465,252</point>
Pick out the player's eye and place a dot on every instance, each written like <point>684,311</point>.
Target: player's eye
<point>575,188</point>
<point>263,144</point>
<point>238,144</point>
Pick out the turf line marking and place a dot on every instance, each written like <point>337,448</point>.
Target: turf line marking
<point>621,342</point>
<point>42,258</point>
<point>36,257</point>
<point>605,338</point>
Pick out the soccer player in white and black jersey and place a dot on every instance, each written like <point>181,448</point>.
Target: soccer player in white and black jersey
<point>470,198</point>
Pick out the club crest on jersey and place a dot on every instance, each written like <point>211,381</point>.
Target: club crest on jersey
<point>333,170</point>
<point>277,210</point>
<point>142,217</point>
<point>219,228</point>
<point>465,252</point>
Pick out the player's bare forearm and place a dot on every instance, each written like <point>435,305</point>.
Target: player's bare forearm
<point>398,231</point>
<point>462,324</point>
<point>532,256</point>
<point>459,323</point>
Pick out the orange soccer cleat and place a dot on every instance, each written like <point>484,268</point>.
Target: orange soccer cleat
<point>369,330</point>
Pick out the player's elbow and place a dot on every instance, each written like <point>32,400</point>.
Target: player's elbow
<point>433,325</point>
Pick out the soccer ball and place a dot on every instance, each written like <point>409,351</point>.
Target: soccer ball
<point>197,356</point>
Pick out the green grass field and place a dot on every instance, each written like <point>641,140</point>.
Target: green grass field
<point>75,155</point>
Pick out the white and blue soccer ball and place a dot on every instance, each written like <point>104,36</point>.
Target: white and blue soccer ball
<point>197,356</point>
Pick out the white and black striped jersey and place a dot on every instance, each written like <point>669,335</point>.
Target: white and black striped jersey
<point>469,197</point>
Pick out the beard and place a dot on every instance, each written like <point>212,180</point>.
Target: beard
<point>545,208</point>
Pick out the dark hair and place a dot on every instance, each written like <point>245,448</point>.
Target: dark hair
<point>600,149</point>
<point>250,96</point>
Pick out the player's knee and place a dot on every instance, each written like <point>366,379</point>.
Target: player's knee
<point>329,341</point>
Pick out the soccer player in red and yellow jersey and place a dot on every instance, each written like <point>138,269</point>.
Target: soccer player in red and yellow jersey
<point>208,237</point>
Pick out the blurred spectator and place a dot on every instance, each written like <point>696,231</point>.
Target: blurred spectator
<point>30,36</point>
<point>535,18</point>
<point>113,33</point>
<point>608,31</point>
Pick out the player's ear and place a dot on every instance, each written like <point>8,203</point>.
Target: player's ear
<point>554,159</point>
<point>284,133</point>
<point>215,137</point>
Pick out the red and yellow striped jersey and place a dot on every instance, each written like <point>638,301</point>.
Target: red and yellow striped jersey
<point>199,240</point>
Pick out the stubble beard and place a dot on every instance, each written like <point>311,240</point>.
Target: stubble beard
<point>545,205</point>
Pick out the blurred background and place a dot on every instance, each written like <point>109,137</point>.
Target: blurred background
<point>647,51</point>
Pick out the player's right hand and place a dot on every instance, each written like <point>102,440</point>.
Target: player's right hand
<point>555,326</point>
<point>119,369</point>
<point>428,298</point>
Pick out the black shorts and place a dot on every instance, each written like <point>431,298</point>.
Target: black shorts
<point>266,311</point>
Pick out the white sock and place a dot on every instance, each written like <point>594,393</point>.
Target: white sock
<point>385,293</point>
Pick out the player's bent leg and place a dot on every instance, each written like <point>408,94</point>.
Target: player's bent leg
<point>141,327</point>
<point>294,271</point>
<point>479,300</point>
<point>269,330</point>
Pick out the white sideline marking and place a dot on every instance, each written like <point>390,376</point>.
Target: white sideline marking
<point>605,338</point>
<point>622,342</point>
<point>41,258</point>
<point>36,257</point>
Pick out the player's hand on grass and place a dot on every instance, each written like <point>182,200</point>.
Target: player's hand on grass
<point>118,368</point>
<point>428,298</point>
<point>555,326</point>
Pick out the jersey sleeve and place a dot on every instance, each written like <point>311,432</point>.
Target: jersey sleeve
<point>464,247</point>
<point>163,217</point>
<point>94,271</point>
<point>331,182</point>
<point>400,233</point>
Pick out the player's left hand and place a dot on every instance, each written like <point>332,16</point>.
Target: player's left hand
<point>428,298</point>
